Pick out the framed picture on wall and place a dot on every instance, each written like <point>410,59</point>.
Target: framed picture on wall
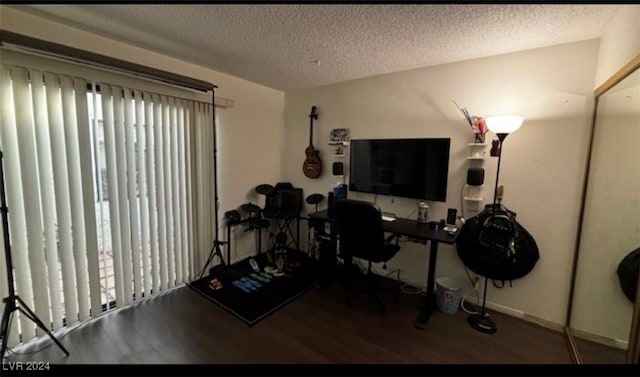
<point>339,136</point>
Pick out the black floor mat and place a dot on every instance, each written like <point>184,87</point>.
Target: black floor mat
<point>270,291</point>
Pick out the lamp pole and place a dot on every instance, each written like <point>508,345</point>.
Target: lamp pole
<point>501,126</point>
<point>501,136</point>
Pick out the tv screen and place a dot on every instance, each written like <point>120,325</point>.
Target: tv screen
<point>409,168</point>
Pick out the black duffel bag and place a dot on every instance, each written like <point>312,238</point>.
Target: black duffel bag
<point>493,244</point>
<point>628,271</point>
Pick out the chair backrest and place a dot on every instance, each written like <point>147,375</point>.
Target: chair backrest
<point>360,228</point>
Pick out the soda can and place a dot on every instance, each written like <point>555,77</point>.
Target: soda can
<point>423,212</point>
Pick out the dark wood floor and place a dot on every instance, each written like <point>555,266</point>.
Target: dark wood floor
<point>596,353</point>
<point>182,327</point>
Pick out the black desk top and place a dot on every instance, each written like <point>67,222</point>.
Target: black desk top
<point>407,227</point>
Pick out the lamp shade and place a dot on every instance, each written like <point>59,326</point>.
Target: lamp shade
<point>504,124</point>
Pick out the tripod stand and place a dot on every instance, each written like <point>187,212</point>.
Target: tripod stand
<point>13,302</point>
<point>215,252</point>
<point>215,249</point>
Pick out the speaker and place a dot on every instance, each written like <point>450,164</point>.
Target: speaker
<point>475,176</point>
<point>452,213</point>
<point>338,168</point>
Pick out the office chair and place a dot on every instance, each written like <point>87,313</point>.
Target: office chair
<point>361,235</point>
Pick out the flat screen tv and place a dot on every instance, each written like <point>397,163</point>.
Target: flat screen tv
<point>409,168</point>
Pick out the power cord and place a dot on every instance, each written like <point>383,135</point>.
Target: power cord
<point>359,263</point>
<point>475,308</point>
<point>415,208</point>
<point>404,287</point>
<point>234,236</point>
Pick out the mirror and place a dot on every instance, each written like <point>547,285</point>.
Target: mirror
<point>601,316</point>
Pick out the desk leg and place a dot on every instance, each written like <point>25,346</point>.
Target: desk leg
<point>228,244</point>
<point>423,318</point>
<point>298,233</point>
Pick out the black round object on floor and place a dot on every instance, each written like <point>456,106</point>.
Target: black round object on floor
<point>482,323</point>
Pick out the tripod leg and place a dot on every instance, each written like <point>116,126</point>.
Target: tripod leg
<point>209,259</point>
<point>219,252</point>
<point>32,316</point>
<point>293,237</point>
<point>6,323</point>
<point>215,252</point>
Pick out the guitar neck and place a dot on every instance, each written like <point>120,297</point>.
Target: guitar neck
<point>312,116</point>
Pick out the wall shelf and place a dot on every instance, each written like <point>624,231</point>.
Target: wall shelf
<point>476,157</point>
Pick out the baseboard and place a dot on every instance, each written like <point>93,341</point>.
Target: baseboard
<point>615,343</point>
<point>524,316</point>
<point>508,311</point>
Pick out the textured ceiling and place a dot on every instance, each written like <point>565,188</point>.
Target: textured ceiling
<point>292,46</point>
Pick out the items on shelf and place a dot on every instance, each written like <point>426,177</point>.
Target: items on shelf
<point>477,123</point>
<point>339,136</point>
<point>475,177</point>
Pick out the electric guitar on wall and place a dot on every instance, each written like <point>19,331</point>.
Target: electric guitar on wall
<point>312,166</point>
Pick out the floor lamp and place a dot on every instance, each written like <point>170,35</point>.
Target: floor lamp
<point>501,125</point>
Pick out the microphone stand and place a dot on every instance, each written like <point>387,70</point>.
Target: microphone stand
<point>13,302</point>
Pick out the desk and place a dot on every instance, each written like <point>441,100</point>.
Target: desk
<point>412,229</point>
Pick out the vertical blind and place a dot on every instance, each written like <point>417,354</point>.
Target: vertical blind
<point>108,193</point>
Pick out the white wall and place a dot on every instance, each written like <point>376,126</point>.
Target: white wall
<point>542,166</point>
<point>620,42</point>
<point>250,134</point>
